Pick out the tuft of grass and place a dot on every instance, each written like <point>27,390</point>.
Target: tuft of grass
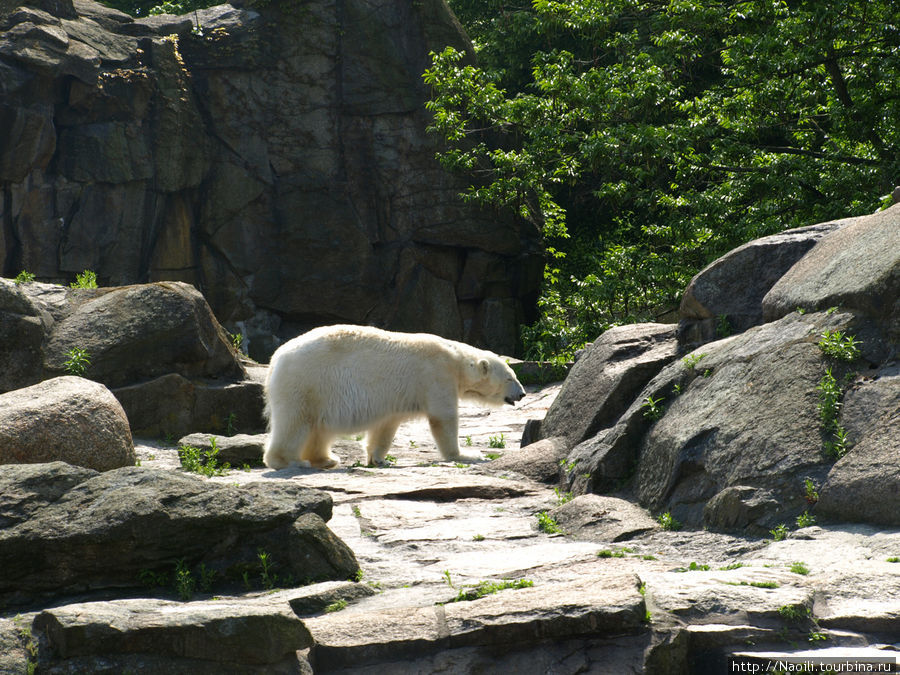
<point>468,441</point>
<point>794,612</point>
<point>799,568</point>
<point>478,537</point>
<point>732,566</point>
<point>836,345</point>
<point>694,567</point>
<point>203,462</point>
<point>894,559</point>
<point>653,409</point>
<point>691,360</point>
<point>86,279</point>
<point>780,532</point>
<point>493,455</point>
<point>668,522</point>
<point>483,588</point>
<point>547,524</point>
<point>78,361</point>
<point>810,492</point>
<point>806,519</point>
<point>562,497</point>
<point>336,606</point>
<point>608,553</point>
<point>268,579</point>
<point>23,277</point>
<point>497,442</point>
<point>185,585</point>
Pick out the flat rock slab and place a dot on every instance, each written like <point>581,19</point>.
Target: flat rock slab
<point>606,605</point>
<point>259,630</point>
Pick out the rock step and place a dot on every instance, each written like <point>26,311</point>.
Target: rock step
<point>604,607</point>
<point>230,631</point>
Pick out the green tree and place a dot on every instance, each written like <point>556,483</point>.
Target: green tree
<point>647,138</point>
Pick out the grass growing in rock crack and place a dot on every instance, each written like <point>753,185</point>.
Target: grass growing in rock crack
<point>87,279</point>
<point>200,461</point>
<point>483,588</point>
<point>546,523</point>
<point>336,606</point>
<point>497,442</point>
<point>562,497</point>
<point>185,585</point>
<point>691,360</point>
<point>23,277</point>
<point>799,568</point>
<point>839,346</point>
<point>653,409</point>
<point>694,567</point>
<point>78,361</point>
<point>811,494</point>
<point>806,519</point>
<point>28,643</point>
<point>668,522</point>
<point>794,613</point>
<point>780,532</point>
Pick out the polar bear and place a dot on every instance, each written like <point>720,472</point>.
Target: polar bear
<point>345,379</point>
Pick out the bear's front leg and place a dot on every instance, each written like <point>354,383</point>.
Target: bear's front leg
<point>445,431</point>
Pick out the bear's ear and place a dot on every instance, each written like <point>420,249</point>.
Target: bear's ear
<point>484,366</point>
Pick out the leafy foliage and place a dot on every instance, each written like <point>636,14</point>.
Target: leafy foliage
<point>646,138</point>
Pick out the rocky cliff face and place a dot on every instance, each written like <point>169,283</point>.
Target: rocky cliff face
<point>273,155</point>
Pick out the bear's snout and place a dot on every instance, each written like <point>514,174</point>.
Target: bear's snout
<point>517,395</point>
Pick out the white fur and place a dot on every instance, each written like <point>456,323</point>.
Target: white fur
<point>346,379</point>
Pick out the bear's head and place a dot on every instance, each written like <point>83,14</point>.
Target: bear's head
<point>491,381</point>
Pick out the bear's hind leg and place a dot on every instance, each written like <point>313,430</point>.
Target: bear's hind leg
<point>379,439</point>
<point>283,446</point>
<point>317,451</point>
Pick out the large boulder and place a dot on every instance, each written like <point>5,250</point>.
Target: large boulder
<point>864,485</point>
<point>158,346</point>
<point>322,199</point>
<point>726,296</point>
<point>856,268</point>
<point>605,380</point>
<point>119,528</point>
<point>67,419</point>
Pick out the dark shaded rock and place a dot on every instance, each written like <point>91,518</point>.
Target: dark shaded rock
<point>604,382</point>
<point>322,201</point>
<point>864,485</point>
<point>69,419</point>
<point>113,527</point>
<point>733,286</point>
<point>856,268</point>
<point>173,405</point>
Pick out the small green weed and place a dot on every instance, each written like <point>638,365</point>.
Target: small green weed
<point>838,445</point>
<point>780,532</point>
<point>732,566</point>
<point>547,524</point>
<point>562,497</point>
<point>468,441</point>
<point>839,346</point>
<point>265,570</point>
<point>493,455</point>
<point>806,519</point>
<point>691,360</point>
<point>449,581</point>
<point>78,361</point>
<point>723,326</point>
<point>185,585</point>
<point>799,568</point>
<point>810,492</point>
<point>608,553</point>
<point>230,424</point>
<point>497,442</point>
<point>817,636</point>
<point>478,537</point>
<point>694,567</point>
<point>668,522</point>
<point>28,642</point>
<point>794,612</point>
<point>567,465</point>
<point>894,559</point>
<point>237,340</point>
<point>200,461</point>
<point>336,606</point>
<point>86,279</point>
<point>484,588</point>
<point>23,277</point>
<point>652,408</point>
